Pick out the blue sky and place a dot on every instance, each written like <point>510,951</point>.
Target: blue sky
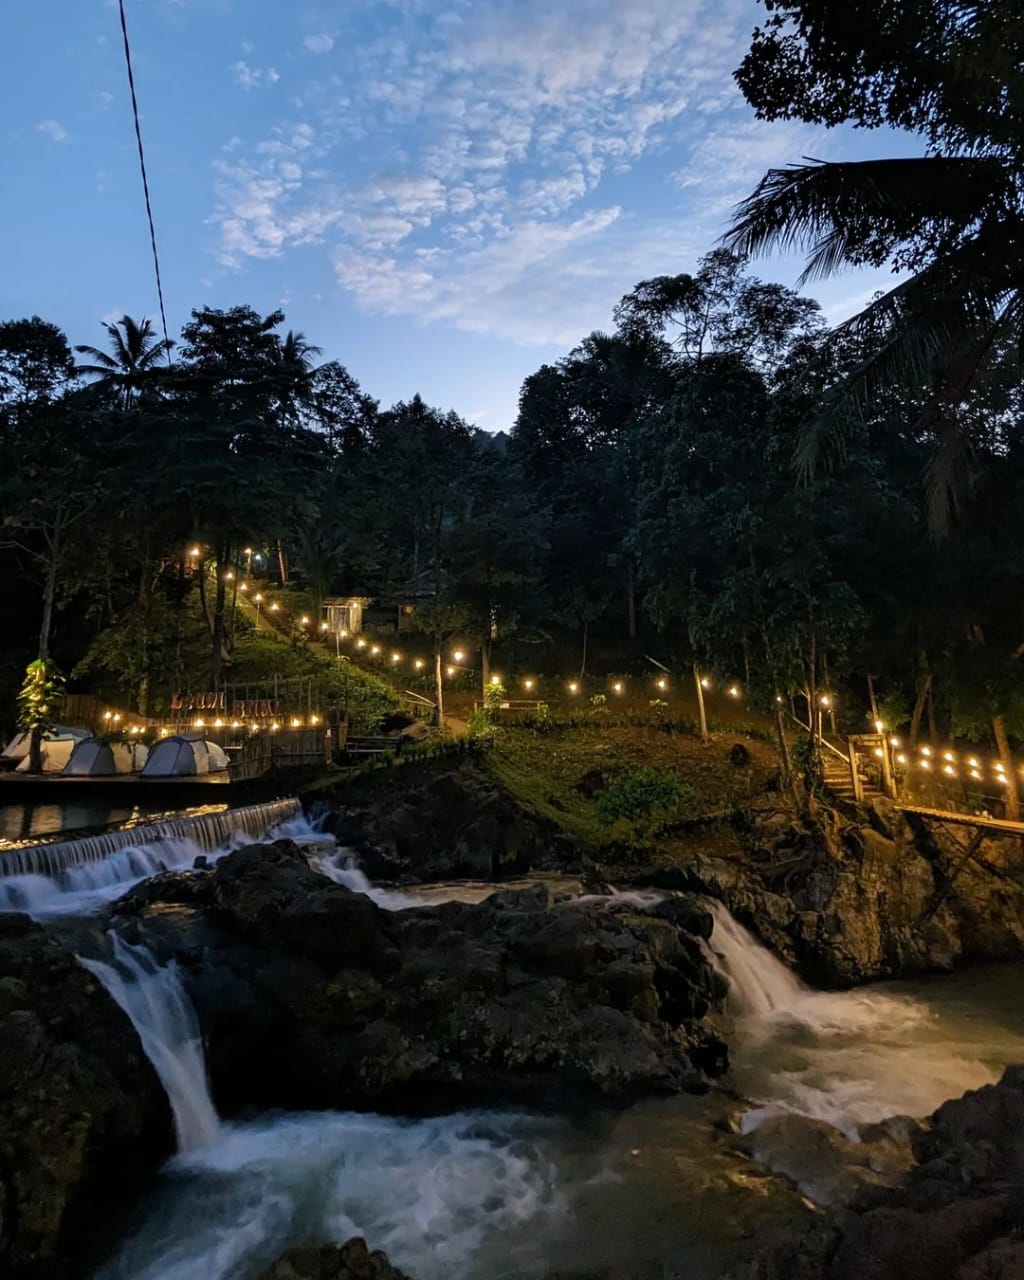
<point>442,194</point>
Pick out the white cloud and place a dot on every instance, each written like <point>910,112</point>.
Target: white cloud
<point>506,167</point>
<point>247,77</point>
<point>53,130</point>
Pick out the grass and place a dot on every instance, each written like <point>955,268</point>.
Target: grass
<point>543,770</point>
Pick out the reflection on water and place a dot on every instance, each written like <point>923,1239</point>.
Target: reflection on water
<point>23,821</point>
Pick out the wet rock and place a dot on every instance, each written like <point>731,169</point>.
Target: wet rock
<point>956,1216</point>
<point>311,996</point>
<point>442,826</point>
<point>352,1261</point>
<point>82,1116</point>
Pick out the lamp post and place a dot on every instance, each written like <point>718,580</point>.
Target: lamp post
<point>257,601</point>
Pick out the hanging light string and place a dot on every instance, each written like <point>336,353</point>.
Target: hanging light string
<point>145,178</point>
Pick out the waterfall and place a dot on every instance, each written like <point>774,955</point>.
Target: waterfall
<point>759,984</point>
<point>162,1014</point>
<point>206,831</point>
<point>75,876</point>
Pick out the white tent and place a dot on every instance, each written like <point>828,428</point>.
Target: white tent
<point>184,756</point>
<point>56,748</point>
<point>93,758</point>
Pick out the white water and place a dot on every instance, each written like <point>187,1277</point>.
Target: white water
<point>87,887</point>
<point>442,1197</point>
<point>847,1058</point>
<point>153,998</point>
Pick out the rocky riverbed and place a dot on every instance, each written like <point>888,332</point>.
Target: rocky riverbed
<point>314,998</point>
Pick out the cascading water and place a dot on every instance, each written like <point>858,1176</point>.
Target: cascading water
<point>848,1058</point>
<point>153,998</point>
<point>74,877</point>
<point>206,831</point>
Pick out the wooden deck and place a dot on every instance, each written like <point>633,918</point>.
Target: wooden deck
<point>980,821</point>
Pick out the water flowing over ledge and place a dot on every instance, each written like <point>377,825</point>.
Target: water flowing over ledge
<point>74,876</point>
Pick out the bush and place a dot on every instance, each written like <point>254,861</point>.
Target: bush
<point>645,796</point>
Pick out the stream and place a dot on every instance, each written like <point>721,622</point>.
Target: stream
<point>493,1195</point>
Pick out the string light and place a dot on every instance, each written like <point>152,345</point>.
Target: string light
<point>973,762</point>
<point>705,683</point>
<point>901,758</point>
<point>948,755</point>
<point>495,680</point>
<point>573,687</point>
<point>879,752</point>
<point>976,775</point>
<point>374,650</point>
<point>195,552</point>
<point>925,764</point>
<point>304,621</point>
<point>296,724</point>
<point>450,671</point>
<point>948,769</point>
<point>734,691</point>
<point>419,664</point>
<point>825,700</point>
<point>218,724</point>
<point>314,719</point>
<point>778,697</point>
<point>617,686</point>
<point>275,608</point>
<point>274,726</point>
<point>360,643</point>
<point>243,586</point>
<point>396,657</point>
<point>324,626</point>
<point>527,685</point>
<point>926,751</point>
<point>663,684</point>
<point>879,726</point>
<point>894,742</point>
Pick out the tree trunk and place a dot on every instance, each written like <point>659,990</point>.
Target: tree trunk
<point>700,704</point>
<point>485,666</point>
<point>788,779</point>
<point>282,563</point>
<point>915,720</point>
<point>630,600</point>
<point>872,701</point>
<point>932,727</point>
<point>49,593</point>
<point>217,639</point>
<point>1010,792</point>
<point>438,683</point>
<point>583,655</point>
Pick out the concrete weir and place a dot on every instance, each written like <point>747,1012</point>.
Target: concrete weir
<point>206,831</point>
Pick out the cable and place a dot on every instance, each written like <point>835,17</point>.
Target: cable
<point>145,179</point>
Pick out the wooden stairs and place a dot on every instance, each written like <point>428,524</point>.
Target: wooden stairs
<point>836,776</point>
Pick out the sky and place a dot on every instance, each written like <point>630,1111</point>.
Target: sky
<point>441,194</point>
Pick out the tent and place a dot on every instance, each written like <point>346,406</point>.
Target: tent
<point>56,749</point>
<point>184,756</point>
<point>92,758</point>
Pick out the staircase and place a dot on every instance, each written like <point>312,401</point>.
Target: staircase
<point>836,774</point>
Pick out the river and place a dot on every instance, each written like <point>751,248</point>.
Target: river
<point>491,1195</point>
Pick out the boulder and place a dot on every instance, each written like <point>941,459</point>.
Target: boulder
<point>957,1215</point>
<point>83,1117</point>
<point>448,825</point>
<point>352,1261</point>
<point>311,996</point>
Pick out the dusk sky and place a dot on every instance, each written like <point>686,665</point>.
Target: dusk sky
<point>442,194</point>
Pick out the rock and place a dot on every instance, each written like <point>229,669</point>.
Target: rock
<point>956,1216</point>
<point>739,756</point>
<point>311,996</point>
<point>83,1118</point>
<point>352,1261</point>
<point>448,825</point>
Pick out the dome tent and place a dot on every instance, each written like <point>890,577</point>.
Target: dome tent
<point>93,758</point>
<point>183,756</point>
<point>56,748</point>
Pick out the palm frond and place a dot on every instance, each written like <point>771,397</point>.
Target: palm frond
<point>857,212</point>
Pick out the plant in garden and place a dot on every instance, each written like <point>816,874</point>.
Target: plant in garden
<point>38,702</point>
<point>644,795</point>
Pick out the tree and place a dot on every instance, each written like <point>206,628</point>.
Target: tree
<point>951,219</point>
<point>135,356</point>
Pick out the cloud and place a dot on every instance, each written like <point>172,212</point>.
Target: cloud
<point>510,167</point>
<point>247,77</point>
<point>53,130</point>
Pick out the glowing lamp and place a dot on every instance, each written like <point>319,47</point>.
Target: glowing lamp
<point>458,655</point>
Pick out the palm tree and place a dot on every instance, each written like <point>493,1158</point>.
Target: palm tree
<point>951,222</point>
<point>296,368</point>
<point>136,352</point>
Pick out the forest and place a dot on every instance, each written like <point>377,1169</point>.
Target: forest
<point>649,500</point>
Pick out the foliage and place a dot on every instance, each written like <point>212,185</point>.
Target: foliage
<point>644,795</point>
<point>40,697</point>
<point>951,219</point>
